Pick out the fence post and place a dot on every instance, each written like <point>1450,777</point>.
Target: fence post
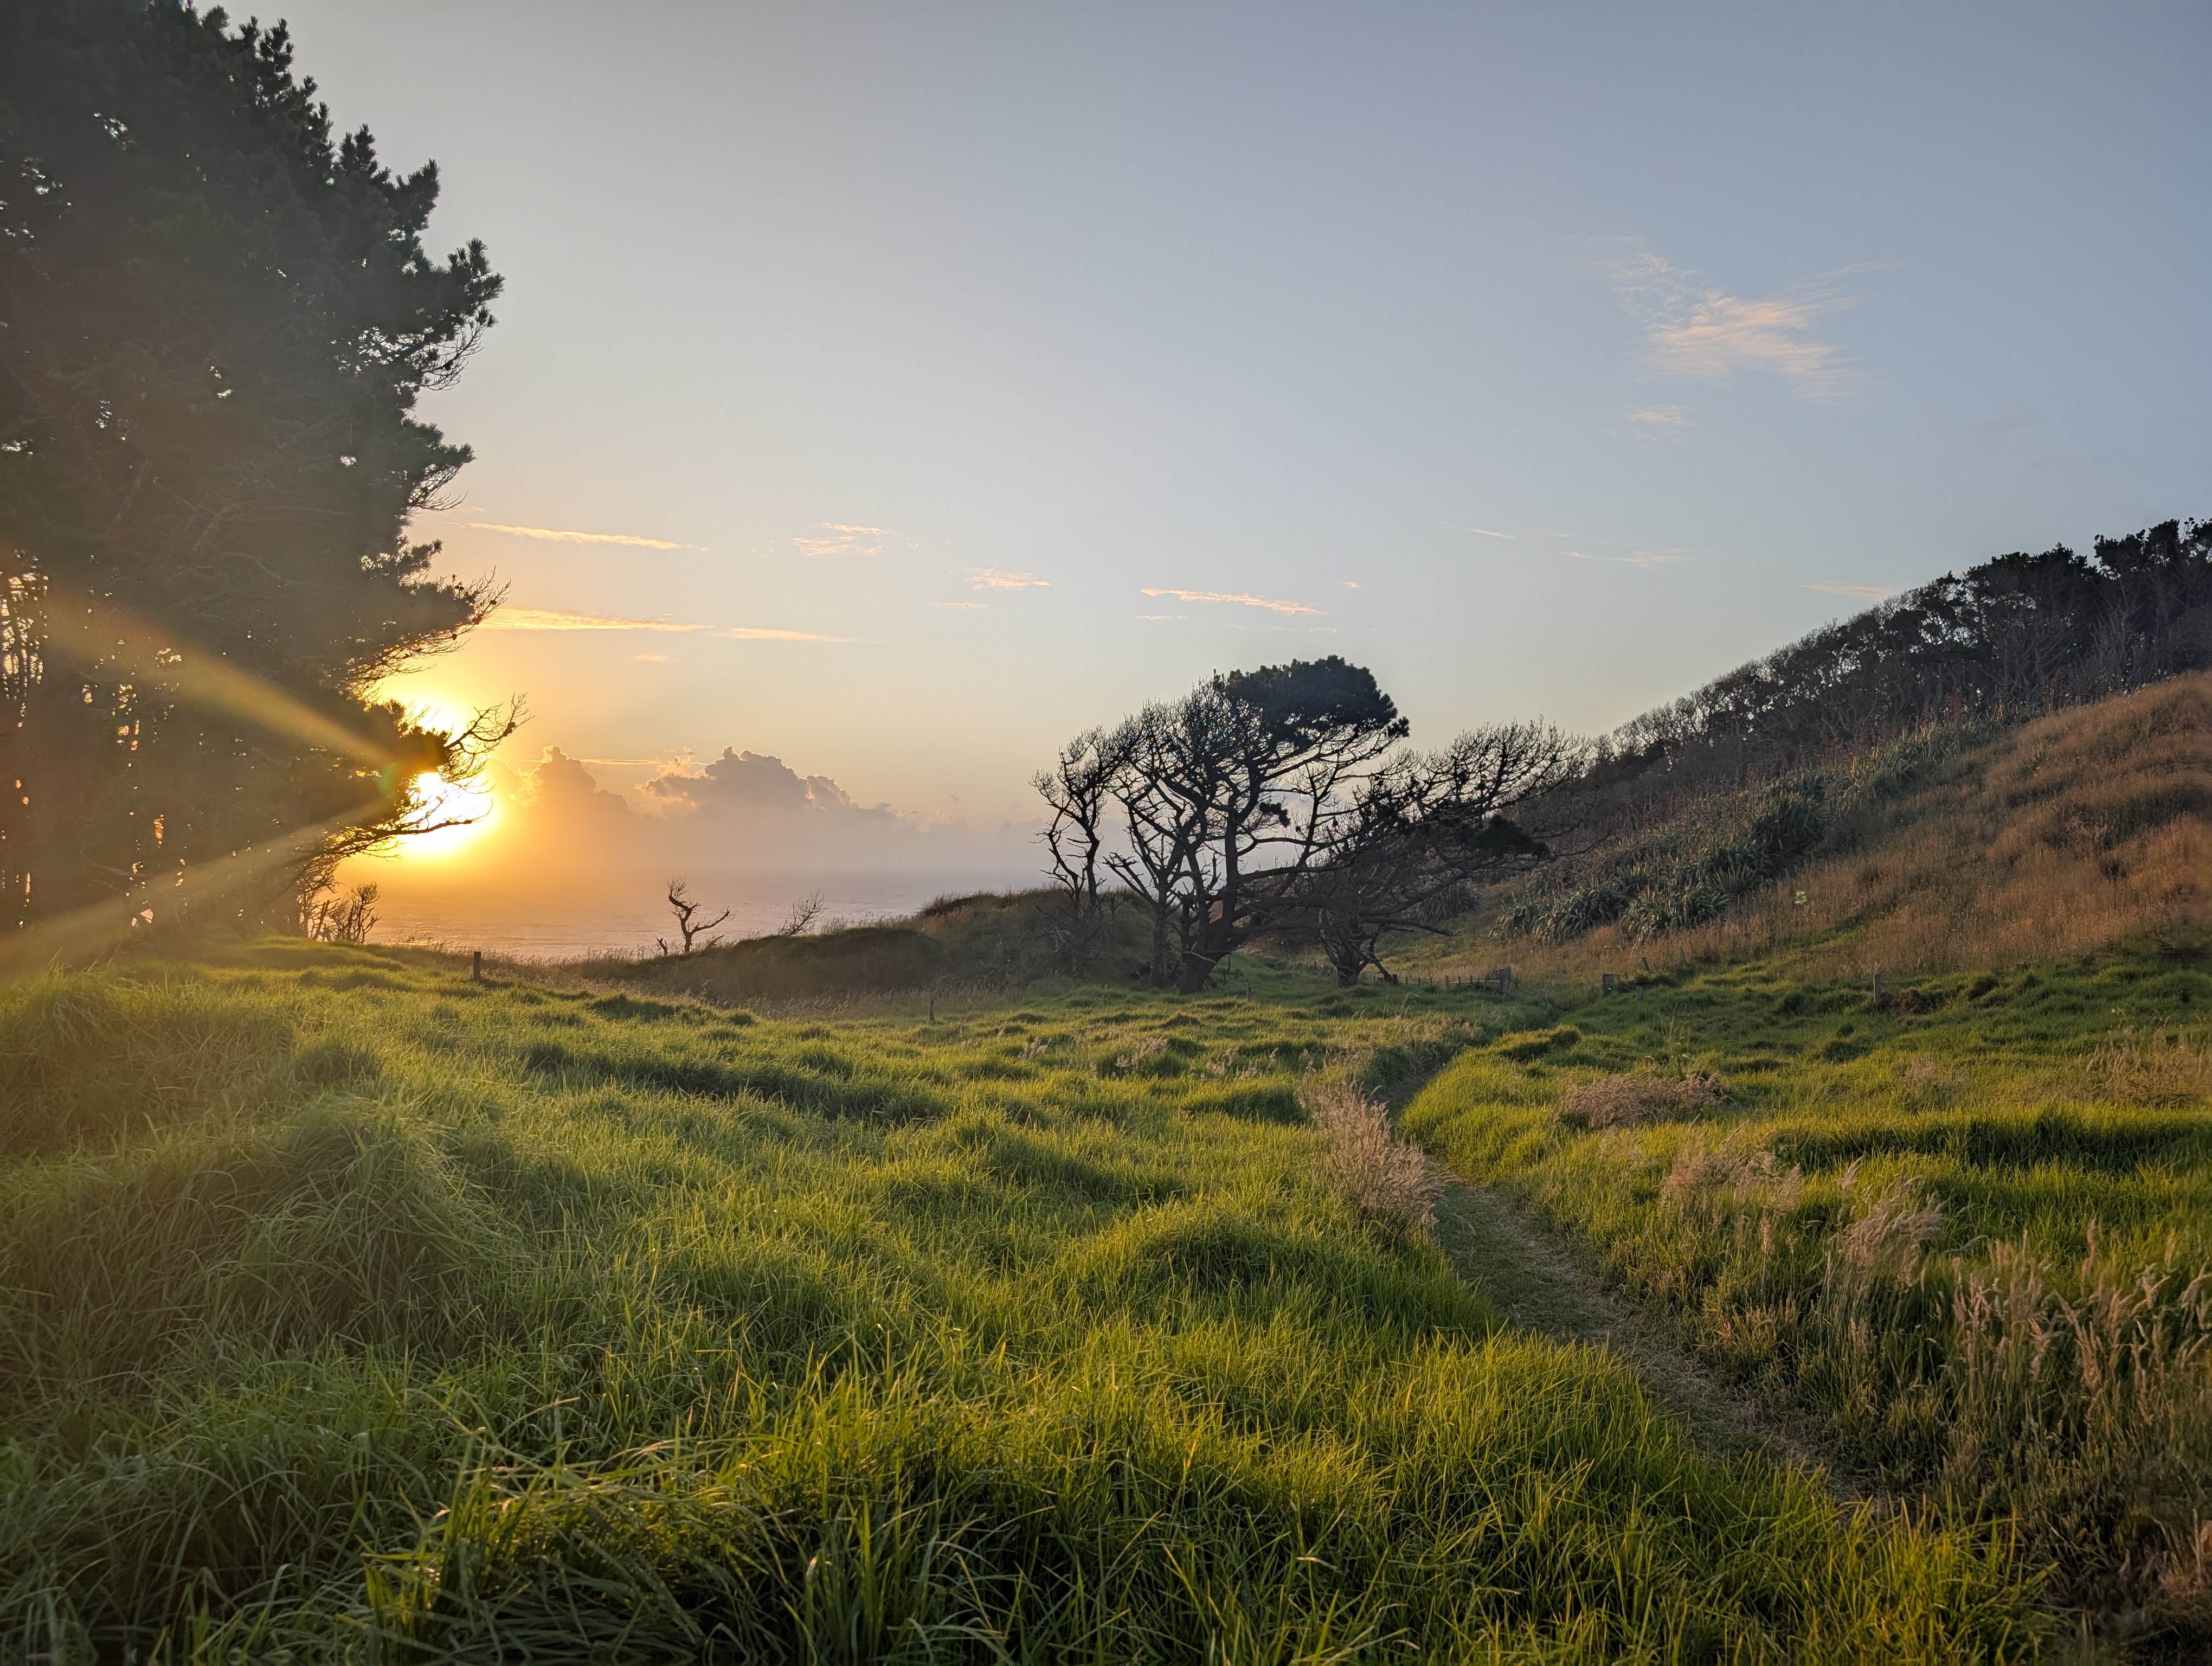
<point>476,967</point>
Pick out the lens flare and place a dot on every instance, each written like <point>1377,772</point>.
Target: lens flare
<point>453,816</point>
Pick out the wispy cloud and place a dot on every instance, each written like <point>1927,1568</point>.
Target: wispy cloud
<point>1697,331</point>
<point>768,634</point>
<point>555,618</point>
<point>842,538</point>
<point>560,535</point>
<point>1649,560</point>
<point>972,607</point>
<point>1485,531</point>
<point>994,578</point>
<point>1865,592</point>
<point>1659,422</point>
<point>1239,601</point>
<point>1155,618</point>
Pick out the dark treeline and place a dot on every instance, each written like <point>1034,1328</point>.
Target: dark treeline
<point>2020,634</point>
<point>215,318</point>
<point>1657,839</point>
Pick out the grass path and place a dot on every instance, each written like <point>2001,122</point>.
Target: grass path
<point>1538,1282</point>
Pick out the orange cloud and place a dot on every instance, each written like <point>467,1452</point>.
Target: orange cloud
<point>559,536</point>
<point>1239,601</point>
<point>555,618</point>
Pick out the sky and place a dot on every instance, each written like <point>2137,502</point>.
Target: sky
<point>893,391</point>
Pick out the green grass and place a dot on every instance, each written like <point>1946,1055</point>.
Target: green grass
<point>1967,1228</point>
<point>352,1310</point>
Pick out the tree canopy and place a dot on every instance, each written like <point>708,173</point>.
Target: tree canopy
<point>1277,800</point>
<point>217,316</point>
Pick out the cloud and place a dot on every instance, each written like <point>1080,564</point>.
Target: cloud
<point>1868,593</point>
<point>1239,601</point>
<point>555,618</point>
<point>1649,560</point>
<point>559,536</point>
<point>1707,335</point>
<point>768,634</point>
<point>1485,531</point>
<point>965,607</point>
<point>651,659</point>
<point>747,781</point>
<point>1158,617</point>
<point>845,539</point>
<point>993,578</point>
<point>1659,422</point>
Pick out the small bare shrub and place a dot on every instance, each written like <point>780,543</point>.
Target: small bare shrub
<point>1641,1096</point>
<point>343,916</point>
<point>1387,1178</point>
<point>2159,1068</point>
<point>1929,1081</point>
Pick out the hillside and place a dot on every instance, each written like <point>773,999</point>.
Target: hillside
<point>1952,846</point>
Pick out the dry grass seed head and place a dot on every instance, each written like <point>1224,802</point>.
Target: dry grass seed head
<point>1388,1179</point>
<point>1638,1096</point>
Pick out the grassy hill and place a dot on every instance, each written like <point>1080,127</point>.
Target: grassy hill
<point>354,1309</point>
<point>1950,846</point>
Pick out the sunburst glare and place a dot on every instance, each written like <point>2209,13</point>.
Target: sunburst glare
<point>458,814</point>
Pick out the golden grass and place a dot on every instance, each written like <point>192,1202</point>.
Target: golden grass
<point>2059,837</point>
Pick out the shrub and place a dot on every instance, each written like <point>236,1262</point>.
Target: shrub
<point>1640,1096</point>
<point>1388,1179</point>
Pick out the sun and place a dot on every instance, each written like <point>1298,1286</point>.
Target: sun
<point>468,809</point>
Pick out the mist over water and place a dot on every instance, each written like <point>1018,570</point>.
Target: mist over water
<point>561,868</point>
<point>759,904</point>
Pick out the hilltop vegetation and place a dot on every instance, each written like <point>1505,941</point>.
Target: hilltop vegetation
<point>1952,846</point>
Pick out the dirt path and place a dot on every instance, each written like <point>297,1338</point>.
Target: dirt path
<point>1541,1284</point>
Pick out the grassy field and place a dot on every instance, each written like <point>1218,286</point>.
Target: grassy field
<point>1967,1227</point>
<point>349,1310</point>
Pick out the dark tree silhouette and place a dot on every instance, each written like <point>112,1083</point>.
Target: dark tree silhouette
<point>1078,790</point>
<point>686,909</point>
<point>804,913</point>
<point>1422,832</point>
<point>1229,793</point>
<point>218,315</point>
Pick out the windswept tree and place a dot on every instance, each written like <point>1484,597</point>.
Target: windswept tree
<point>1079,792</point>
<point>217,316</point>
<point>1423,832</point>
<point>1230,792</point>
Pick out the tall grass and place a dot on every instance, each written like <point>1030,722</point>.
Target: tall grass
<point>444,1321</point>
<point>1956,849</point>
<point>1971,1231</point>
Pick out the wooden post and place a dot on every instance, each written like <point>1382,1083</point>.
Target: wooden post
<point>932,1006</point>
<point>476,967</point>
<point>1877,985</point>
<point>1605,984</point>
